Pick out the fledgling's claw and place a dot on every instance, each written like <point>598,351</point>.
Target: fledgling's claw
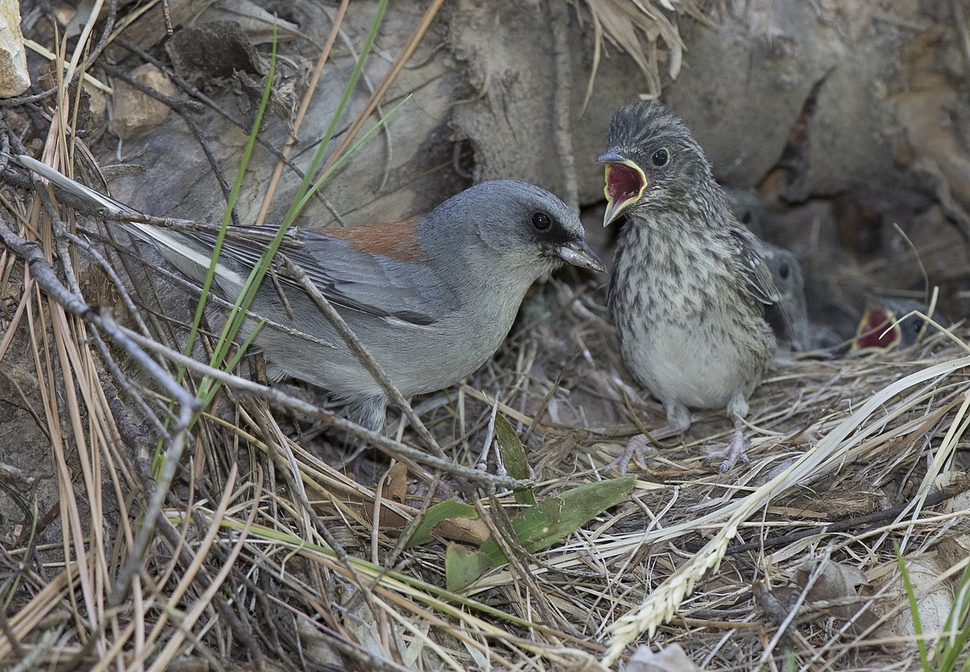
<point>638,449</point>
<point>735,449</point>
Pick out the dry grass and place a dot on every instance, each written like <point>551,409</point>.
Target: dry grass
<point>266,555</point>
<point>246,569</point>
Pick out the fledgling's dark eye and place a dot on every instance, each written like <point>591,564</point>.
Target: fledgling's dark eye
<point>541,221</point>
<point>660,157</point>
<point>784,271</point>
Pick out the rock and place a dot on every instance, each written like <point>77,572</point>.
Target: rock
<point>136,113</point>
<point>14,78</point>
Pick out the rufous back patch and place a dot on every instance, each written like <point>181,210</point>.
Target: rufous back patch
<point>394,240</point>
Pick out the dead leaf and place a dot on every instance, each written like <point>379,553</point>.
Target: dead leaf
<point>397,482</point>
<point>669,659</point>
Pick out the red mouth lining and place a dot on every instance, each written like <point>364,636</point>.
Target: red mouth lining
<point>873,334</point>
<point>623,183</point>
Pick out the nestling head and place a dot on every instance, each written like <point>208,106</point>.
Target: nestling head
<point>653,162</point>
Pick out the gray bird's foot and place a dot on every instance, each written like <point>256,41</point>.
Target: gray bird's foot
<point>639,449</point>
<point>733,451</point>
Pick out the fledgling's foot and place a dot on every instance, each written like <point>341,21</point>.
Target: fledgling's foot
<point>637,449</point>
<point>735,449</point>
<point>642,447</point>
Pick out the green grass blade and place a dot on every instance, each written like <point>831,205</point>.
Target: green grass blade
<point>913,610</point>
<point>304,189</point>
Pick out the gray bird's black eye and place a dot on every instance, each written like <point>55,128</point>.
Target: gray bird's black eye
<point>660,157</point>
<point>784,271</point>
<point>541,221</point>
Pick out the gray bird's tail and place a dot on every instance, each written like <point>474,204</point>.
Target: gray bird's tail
<point>62,181</point>
<point>190,258</point>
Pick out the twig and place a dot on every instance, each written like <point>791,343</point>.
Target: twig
<point>365,358</point>
<point>28,99</point>
<point>109,24</point>
<point>558,13</point>
<point>178,104</point>
<point>960,19</point>
<point>194,91</point>
<point>291,475</point>
<point>378,440</point>
<point>181,107</point>
<point>187,560</point>
<point>932,499</point>
<point>409,48</point>
<point>291,138</point>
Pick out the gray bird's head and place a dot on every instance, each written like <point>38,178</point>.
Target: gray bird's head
<point>653,163</point>
<point>517,227</point>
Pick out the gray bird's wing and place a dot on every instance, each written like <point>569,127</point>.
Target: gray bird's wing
<point>754,268</point>
<point>369,283</point>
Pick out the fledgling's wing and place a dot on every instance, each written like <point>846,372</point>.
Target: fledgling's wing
<point>753,267</point>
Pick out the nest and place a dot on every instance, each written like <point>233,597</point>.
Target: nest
<point>263,550</point>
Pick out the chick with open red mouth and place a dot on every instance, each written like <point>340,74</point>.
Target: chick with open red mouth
<point>689,284</point>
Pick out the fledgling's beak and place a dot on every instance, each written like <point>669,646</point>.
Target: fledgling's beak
<point>578,253</point>
<point>625,184</point>
<point>878,330</point>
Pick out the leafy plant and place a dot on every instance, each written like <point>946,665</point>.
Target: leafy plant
<point>537,527</point>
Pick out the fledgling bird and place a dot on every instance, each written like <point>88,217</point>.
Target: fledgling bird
<point>788,316</point>
<point>430,298</point>
<point>689,283</point>
<point>887,324</point>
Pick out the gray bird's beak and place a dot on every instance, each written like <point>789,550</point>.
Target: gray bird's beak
<point>625,184</point>
<point>580,254</point>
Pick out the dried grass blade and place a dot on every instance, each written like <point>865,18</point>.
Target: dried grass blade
<point>662,602</point>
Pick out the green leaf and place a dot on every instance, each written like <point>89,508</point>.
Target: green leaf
<point>542,525</point>
<point>462,566</point>
<point>513,457</point>
<point>546,523</point>
<point>449,508</point>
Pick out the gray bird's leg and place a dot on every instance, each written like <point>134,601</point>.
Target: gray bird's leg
<point>482,462</point>
<point>636,449</point>
<point>369,412</point>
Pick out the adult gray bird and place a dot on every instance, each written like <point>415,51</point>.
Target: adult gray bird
<point>431,298</point>
<point>689,283</point>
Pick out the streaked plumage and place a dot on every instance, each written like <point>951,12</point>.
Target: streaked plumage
<point>689,283</point>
